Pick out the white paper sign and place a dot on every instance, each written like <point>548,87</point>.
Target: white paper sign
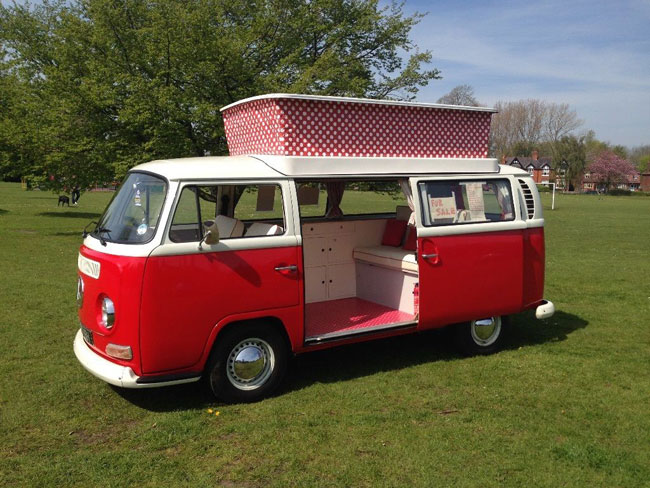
<point>442,207</point>
<point>475,200</point>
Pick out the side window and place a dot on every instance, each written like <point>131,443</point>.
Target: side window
<point>238,210</point>
<point>449,202</point>
<point>371,197</point>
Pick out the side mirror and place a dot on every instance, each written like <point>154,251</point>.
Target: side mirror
<point>211,235</point>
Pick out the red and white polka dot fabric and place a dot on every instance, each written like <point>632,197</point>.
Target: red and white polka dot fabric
<point>298,127</point>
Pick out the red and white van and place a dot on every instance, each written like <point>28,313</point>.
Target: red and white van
<point>334,220</point>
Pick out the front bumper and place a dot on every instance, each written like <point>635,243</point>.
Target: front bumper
<point>112,373</point>
<point>545,310</point>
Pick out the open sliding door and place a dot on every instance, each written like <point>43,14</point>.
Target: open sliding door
<point>470,249</point>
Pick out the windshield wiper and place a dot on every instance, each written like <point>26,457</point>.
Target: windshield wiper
<point>100,231</point>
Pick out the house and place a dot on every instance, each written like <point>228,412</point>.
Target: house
<point>632,182</point>
<point>539,168</point>
<point>645,182</point>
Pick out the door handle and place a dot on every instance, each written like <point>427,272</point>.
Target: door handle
<point>291,269</point>
<point>429,256</point>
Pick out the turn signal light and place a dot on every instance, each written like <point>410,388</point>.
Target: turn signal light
<point>119,352</point>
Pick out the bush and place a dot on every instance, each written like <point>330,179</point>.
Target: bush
<point>543,188</point>
<point>616,192</point>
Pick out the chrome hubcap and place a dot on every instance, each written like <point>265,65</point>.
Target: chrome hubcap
<point>250,364</point>
<point>485,332</point>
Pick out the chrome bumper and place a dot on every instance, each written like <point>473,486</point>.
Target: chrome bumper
<point>545,310</point>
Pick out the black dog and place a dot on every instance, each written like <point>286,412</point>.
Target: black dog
<point>63,200</point>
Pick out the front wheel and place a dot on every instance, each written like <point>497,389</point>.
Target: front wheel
<point>248,363</point>
<point>480,337</point>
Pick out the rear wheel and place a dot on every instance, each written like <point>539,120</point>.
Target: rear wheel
<point>480,337</point>
<point>247,364</point>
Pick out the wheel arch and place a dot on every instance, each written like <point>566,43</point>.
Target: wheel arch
<point>227,326</point>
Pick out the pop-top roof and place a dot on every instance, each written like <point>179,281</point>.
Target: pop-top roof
<point>374,101</point>
<point>305,125</point>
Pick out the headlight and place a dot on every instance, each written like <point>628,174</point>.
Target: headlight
<point>108,313</point>
<point>80,292</point>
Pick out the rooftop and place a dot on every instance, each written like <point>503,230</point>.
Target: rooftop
<point>357,100</point>
<point>272,167</point>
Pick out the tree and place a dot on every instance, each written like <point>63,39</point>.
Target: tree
<point>559,122</point>
<point>529,124</point>
<point>460,95</point>
<point>640,156</point>
<point>101,88</point>
<point>570,157</point>
<point>609,169</point>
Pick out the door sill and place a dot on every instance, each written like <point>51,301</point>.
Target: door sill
<point>338,336</point>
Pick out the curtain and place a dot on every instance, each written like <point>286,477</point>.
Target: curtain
<point>406,189</point>
<point>335,191</point>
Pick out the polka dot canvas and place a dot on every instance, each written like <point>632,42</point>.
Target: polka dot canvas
<point>308,127</point>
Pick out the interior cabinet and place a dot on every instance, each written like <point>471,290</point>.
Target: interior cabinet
<point>329,265</point>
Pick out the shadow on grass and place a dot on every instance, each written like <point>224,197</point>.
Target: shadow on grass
<point>367,358</point>
<point>71,214</point>
<point>67,234</point>
<point>169,398</point>
<point>3,211</point>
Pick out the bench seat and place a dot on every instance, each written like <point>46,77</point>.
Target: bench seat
<point>387,257</point>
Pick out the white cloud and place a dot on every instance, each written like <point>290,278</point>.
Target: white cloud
<point>594,56</point>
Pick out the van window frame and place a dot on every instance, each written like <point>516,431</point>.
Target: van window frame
<point>94,234</point>
<point>346,180</point>
<point>285,199</point>
<point>458,179</point>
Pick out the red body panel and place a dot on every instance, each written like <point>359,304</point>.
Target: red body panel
<point>121,280</point>
<point>185,297</point>
<point>170,309</point>
<point>534,256</point>
<point>474,276</point>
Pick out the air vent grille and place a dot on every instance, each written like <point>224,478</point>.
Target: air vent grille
<point>530,199</point>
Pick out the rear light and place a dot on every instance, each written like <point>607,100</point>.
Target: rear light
<point>119,352</point>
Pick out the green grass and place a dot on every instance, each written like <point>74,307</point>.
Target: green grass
<point>565,404</point>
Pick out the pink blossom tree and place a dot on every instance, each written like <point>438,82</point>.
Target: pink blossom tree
<point>609,169</point>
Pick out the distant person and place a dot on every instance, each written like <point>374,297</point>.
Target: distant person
<point>75,195</point>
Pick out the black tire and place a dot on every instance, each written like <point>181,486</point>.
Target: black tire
<point>476,339</point>
<point>263,362</point>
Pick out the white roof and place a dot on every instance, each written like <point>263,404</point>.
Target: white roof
<point>210,167</point>
<point>273,167</point>
<point>303,166</point>
<point>358,100</point>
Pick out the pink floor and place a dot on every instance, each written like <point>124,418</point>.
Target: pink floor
<point>349,314</point>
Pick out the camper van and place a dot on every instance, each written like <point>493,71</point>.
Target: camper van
<point>333,221</point>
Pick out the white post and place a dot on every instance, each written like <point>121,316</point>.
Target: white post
<point>553,198</point>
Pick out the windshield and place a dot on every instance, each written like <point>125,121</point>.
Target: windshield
<point>132,215</point>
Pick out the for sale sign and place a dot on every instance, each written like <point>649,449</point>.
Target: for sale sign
<point>442,207</point>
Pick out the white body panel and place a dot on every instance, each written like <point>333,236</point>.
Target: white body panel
<point>113,373</point>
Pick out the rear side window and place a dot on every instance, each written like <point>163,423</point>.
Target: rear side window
<point>457,202</point>
<point>237,210</point>
<point>374,197</point>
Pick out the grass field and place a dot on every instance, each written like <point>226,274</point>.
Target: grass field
<point>567,403</point>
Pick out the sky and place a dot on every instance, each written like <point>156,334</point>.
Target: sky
<point>593,55</point>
